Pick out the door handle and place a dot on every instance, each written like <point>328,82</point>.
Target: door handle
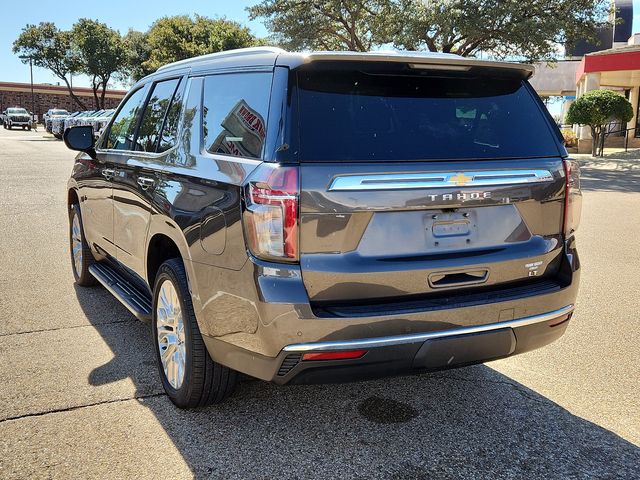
<point>145,182</point>
<point>108,173</point>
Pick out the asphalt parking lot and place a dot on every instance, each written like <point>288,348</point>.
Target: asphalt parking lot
<point>80,396</point>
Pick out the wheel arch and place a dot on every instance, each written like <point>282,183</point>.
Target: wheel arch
<point>160,249</point>
<point>72,197</point>
<point>165,241</point>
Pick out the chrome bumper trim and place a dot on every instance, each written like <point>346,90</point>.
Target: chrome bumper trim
<point>421,337</point>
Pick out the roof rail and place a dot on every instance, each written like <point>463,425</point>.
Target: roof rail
<point>227,53</point>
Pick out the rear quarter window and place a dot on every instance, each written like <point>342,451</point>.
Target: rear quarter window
<point>235,108</point>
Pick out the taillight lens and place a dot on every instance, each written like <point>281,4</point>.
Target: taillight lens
<point>573,197</point>
<point>271,215</point>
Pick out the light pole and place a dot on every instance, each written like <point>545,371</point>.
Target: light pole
<point>33,103</point>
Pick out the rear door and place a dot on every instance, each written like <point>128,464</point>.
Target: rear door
<point>424,182</point>
<point>138,171</point>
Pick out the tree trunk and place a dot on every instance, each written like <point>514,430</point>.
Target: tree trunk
<point>73,95</point>
<point>104,92</point>
<point>95,85</point>
<point>96,100</point>
<point>594,141</point>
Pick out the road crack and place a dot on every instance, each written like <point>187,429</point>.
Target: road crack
<point>78,407</point>
<point>68,328</point>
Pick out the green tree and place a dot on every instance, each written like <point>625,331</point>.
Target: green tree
<point>179,37</point>
<point>137,52</point>
<point>49,48</point>
<point>503,28</point>
<point>101,53</point>
<point>326,25</point>
<point>597,109</point>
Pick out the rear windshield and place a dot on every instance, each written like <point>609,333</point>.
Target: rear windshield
<point>365,116</point>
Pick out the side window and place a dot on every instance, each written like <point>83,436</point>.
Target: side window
<point>235,110</point>
<point>123,126</point>
<point>154,115</point>
<point>169,136</point>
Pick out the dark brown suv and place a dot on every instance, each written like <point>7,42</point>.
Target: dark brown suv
<point>321,217</point>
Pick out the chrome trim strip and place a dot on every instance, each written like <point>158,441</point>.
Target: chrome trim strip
<point>406,181</point>
<point>421,337</point>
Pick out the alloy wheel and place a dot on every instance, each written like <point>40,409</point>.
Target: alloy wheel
<point>170,334</point>
<point>76,244</point>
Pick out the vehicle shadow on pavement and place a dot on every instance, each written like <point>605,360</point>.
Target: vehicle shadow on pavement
<point>471,422</point>
<point>615,176</point>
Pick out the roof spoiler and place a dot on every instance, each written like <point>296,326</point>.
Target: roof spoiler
<point>417,60</point>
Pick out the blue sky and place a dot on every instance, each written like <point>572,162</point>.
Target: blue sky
<point>119,14</point>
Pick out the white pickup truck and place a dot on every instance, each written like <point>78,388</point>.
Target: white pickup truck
<point>16,117</point>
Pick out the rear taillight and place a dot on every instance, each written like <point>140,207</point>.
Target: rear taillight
<point>271,215</point>
<point>573,197</point>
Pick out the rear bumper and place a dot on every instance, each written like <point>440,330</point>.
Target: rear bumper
<point>405,354</point>
<point>370,343</point>
<point>265,325</point>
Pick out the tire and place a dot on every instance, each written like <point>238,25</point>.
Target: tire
<point>10,127</point>
<point>78,246</point>
<point>29,128</point>
<point>203,381</point>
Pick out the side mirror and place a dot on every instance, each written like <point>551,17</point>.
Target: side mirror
<point>80,139</point>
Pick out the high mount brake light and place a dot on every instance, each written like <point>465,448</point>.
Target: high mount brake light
<point>271,216</point>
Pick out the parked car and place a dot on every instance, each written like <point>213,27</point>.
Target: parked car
<point>79,119</point>
<point>323,217</point>
<point>16,117</point>
<point>52,113</point>
<point>101,121</point>
<point>97,119</point>
<point>89,118</point>
<point>58,123</point>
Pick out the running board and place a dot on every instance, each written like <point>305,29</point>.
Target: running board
<point>136,300</point>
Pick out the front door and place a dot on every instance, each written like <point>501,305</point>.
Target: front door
<point>99,196</point>
<point>138,173</point>
<point>96,205</point>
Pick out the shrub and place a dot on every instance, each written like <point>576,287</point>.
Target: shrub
<point>597,109</point>
<point>570,138</point>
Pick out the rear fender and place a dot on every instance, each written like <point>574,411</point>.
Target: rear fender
<point>162,225</point>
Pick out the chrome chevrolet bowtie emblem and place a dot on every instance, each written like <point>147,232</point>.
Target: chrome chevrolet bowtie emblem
<point>460,179</point>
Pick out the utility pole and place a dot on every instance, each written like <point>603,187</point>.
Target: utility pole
<point>33,103</point>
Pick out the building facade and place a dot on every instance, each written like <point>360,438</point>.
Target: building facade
<point>614,64</point>
<point>615,69</point>
<point>51,96</point>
